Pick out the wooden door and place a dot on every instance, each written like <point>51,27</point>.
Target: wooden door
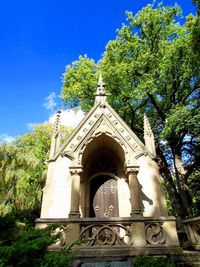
<point>105,197</point>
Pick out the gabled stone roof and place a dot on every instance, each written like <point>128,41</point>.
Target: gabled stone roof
<point>102,119</point>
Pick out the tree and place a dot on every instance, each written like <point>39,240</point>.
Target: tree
<point>80,81</point>
<point>24,245</point>
<point>23,169</point>
<point>151,68</point>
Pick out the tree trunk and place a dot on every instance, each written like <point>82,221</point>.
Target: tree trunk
<point>170,185</point>
<point>180,173</point>
<point>175,180</point>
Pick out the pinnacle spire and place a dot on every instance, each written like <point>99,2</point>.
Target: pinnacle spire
<point>57,123</point>
<point>100,94</point>
<point>55,140</point>
<point>148,136</point>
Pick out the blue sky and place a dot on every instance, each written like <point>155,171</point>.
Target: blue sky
<point>38,38</point>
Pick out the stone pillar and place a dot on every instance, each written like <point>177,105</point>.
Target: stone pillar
<point>75,192</point>
<point>134,190</point>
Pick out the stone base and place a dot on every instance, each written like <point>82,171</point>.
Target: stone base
<point>102,262</point>
<point>127,252</point>
<point>184,259</point>
<point>110,264</point>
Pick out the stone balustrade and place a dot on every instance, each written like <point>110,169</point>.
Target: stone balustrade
<point>110,235</point>
<point>192,228</point>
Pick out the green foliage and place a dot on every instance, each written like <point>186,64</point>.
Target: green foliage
<point>23,169</point>
<point>150,261</point>
<point>76,88</point>
<point>152,67</point>
<point>22,245</point>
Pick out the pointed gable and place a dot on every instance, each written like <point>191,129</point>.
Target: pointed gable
<point>102,120</point>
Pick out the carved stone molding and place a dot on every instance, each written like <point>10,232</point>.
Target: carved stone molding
<point>67,154</point>
<point>75,170</point>
<point>106,131</point>
<point>132,169</point>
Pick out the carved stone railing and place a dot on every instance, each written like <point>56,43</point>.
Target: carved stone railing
<point>106,235</point>
<point>127,235</point>
<point>192,228</point>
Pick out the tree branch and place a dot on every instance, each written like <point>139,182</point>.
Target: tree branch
<point>160,112</point>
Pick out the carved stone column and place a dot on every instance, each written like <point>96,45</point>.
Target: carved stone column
<point>134,190</point>
<point>75,192</point>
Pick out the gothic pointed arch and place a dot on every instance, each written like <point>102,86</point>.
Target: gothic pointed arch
<point>103,162</point>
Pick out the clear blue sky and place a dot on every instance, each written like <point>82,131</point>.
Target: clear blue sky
<point>38,38</point>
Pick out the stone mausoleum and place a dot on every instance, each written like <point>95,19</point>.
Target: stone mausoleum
<point>104,184</point>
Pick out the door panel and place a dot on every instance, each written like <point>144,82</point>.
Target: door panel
<point>105,200</point>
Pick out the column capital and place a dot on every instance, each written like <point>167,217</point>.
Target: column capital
<point>75,170</point>
<point>131,170</point>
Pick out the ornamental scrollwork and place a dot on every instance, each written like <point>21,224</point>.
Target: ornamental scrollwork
<point>155,234</point>
<point>106,235</point>
<point>62,233</point>
<point>196,230</point>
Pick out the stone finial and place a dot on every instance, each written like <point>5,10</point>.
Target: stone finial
<point>100,95</point>
<point>148,136</point>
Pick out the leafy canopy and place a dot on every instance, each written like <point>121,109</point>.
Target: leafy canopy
<point>23,169</point>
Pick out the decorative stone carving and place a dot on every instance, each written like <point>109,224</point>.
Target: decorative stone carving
<point>128,137</point>
<point>196,230</point>
<point>57,124</point>
<point>148,136</point>
<point>75,170</point>
<point>147,127</point>
<point>100,95</point>
<point>79,137</point>
<point>55,140</point>
<point>155,234</point>
<point>106,235</point>
<point>91,122</point>
<point>63,231</point>
<point>106,131</point>
<point>72,146</point>
<point>85,130</point>
<point>67,154</point>
<point>132,169</point>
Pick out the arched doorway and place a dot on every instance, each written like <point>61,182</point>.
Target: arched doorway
<point>104,196</point>
<point>103,162</point>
